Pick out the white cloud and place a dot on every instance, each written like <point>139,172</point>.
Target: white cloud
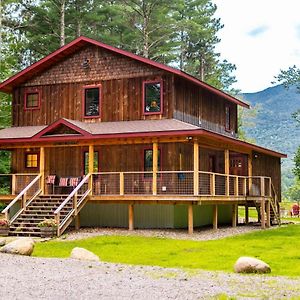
<point>260,37</point>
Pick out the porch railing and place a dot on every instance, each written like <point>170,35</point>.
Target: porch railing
<point>13,184</point>
<point>33,189</point>
<point>72,205</point>
<point>179,183</point>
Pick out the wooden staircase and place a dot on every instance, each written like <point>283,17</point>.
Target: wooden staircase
<point>42,207</point>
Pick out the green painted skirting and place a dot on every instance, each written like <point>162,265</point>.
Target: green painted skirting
<point>151,216</point>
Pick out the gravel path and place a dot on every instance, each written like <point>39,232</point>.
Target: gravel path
<point>201,234</point>
<point>39,278</point>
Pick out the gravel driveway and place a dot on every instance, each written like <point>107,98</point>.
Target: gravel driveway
<point>39,278</point>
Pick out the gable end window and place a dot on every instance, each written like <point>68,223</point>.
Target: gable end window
<point>32,100</point>
<point>91,102</point>
<point>152,97</point>
<point>227,118</point>
<point>31,160</point>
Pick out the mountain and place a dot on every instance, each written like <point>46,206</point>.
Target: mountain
<point>275,128</point>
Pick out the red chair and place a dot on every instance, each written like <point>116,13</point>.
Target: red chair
<point>295,210</point>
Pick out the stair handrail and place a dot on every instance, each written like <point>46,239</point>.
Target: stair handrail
<point>274,203</point>
<point>76,204</point>
<point>5,211</point>
<point>81,183</point>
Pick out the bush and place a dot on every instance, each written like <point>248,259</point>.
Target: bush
<point>47,223</point>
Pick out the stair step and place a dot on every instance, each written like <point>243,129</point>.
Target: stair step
<point>25,229</point>
<point>26,233</point>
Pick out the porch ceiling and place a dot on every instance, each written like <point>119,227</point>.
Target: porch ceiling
<point>97,133</point>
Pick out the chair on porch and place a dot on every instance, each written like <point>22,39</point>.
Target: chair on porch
<point>74,181</point>
<point>50,181</point>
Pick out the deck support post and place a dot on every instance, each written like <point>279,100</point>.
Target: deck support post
<point>190,219</point>
<point>268,211</point>
<point>215,216</point>
<point>155,167</point>
<point>262,213</point>
<point>196,167</point>
<point>77,222</point>
<point>234,215</point>
<point>246,214</point>
<point>42,169</point>
<point>130,217</point>
<point>250,172</point>
<point>13,184</point>
<point>91,166</point>
<point>227,171</point>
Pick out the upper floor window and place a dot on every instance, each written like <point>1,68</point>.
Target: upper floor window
<point>32,99</point>
<point>152,93</point>
<point>227,118</point>
<point>91,102</point>
<point>31,160</point>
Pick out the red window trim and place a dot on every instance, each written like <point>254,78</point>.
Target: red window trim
<point>83,164</point>
<point>161,97</point>
<point>85,87</point>
<point>160,161</point>
<point>32,91</point>
<point>227,126</point>
<point>25,160</point>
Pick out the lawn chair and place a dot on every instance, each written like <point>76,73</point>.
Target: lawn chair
<point>295,210</point>
<point>50,181</point>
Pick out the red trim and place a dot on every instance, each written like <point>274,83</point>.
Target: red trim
<point>56,124</point>
<point>30,91</point>
<point>38,159</point>
<point>80,42</point>
<point>161,97</point>
<point>195,132</point>
<point>84,88</point>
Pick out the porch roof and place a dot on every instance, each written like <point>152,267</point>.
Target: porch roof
<point>116,130</point>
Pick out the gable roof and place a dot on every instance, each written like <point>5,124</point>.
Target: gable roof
<point>119,129</point>
<point>81,42</point>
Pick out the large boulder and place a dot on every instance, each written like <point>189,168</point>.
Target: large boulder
<point>19,246</point>
<point>2,242</point>
<point>83,254</point>
<point>251,265</point>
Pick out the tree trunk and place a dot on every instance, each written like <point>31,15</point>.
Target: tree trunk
<point>201,71</point>
<point>62,23</point>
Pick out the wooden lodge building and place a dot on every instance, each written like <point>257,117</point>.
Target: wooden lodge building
<point>103,137</point>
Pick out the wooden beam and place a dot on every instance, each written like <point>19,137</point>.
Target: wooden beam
<point>42,169</point>
<point>196,167</point>
<point>234,215</point>
<point>91,165</point>
<point>268,211</point>
<point>250,171</point>
<point>215,217</point>
<point>190,219</point>
<point>77,222</point>
<point>155,168</point>
<point>227,170</point>
<point>130,217</point>
<point>262,213</point>
<point>121,183</point>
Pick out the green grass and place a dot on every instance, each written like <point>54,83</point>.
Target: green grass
<point>278,247</point>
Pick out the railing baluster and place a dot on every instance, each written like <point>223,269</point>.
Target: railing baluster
<point>212,184</point>
<point>121,183</point>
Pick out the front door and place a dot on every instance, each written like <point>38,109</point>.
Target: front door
<point>238,164</point>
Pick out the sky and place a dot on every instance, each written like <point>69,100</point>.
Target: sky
<point>260,37</point>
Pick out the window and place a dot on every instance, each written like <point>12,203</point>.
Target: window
<point>86,162</point>
<point>148,161</point>
<point>227,118</point>
<point>32,100</point>
<point>31,160</point>
<point>152,97</point>
<point>91,102</point>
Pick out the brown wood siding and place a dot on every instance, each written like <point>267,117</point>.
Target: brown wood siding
<point>195,105</point>
<point>265,165</point>
<point>121,100</point>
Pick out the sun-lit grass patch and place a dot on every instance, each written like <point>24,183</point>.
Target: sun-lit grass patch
<point>278,247</point>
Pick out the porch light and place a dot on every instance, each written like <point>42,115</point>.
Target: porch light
<point>189,138</point>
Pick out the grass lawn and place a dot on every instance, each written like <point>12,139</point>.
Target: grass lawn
<point>278,247</point>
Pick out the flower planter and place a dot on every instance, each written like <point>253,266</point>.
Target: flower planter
<point>4,231</point>
<point>48,232</point>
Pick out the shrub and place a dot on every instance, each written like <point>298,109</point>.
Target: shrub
<point>4,223</point>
